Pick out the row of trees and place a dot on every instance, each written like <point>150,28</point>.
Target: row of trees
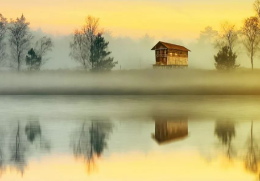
<point>230,37</point>
<point>89,47</point>
<point>22,50</point>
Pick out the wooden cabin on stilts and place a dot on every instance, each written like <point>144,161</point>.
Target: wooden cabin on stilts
<point>169,55</point>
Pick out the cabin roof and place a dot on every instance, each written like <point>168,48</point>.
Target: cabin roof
<point>171,46</point>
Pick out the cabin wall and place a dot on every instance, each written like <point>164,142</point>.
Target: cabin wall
<point>176,57</point>
<point>177,60</point>
<point>171,57</point>
<point>177,128</point>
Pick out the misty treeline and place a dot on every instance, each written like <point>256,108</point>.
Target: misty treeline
<point>92,48</point>
<point>18,47</point>
<point>230,38</point>
<point>17,37</point>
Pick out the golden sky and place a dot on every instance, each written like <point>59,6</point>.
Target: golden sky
<point>165,18</point>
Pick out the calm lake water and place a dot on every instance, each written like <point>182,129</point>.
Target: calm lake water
<point>182,138</point>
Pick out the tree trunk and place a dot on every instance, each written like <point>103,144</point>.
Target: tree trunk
<point>18,68</point>
<point>19,63</point>
<point>252,62</point>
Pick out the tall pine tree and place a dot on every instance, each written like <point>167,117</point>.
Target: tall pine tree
<point>99,56</point>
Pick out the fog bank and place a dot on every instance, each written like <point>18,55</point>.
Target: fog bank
<point>143,82</point>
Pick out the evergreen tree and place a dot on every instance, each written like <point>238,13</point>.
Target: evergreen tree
<point>225,59</point>
<point>33,61</point>
<point>99,54</point>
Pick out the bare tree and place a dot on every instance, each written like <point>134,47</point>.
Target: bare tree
<point>80,49</point>
<point>228,36</point>
<point>3,29</point>
<point>42,47</point>
<point>82,40</point>
<point>251,34</point>
<point>92,26</point>
<point>257,7</point>
<point>20,37</point>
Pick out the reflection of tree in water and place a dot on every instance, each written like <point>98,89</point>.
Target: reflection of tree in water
<point>225,131</point>
<point>33,132</point>
<point>1,153</point>
<point>19,144</point>
<point>91,141</point>
<point>17,150</point>
<point>252,156</point>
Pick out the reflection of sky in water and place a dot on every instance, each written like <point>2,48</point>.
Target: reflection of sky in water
<point>123,149</point>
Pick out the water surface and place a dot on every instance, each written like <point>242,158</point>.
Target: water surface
<point>183,138</point>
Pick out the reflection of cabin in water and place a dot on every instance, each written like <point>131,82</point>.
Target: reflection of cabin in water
<point>170,130</point>
<point>170,56</point>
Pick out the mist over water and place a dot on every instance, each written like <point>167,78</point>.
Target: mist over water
<point>146,82</point>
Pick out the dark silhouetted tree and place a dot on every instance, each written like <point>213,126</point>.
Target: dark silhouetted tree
<point>19,38</point>
<point>33,61</point>
<point>225,59</point>
<point>3,29</point>
<point>251,39</point>
<point>99,54</point>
